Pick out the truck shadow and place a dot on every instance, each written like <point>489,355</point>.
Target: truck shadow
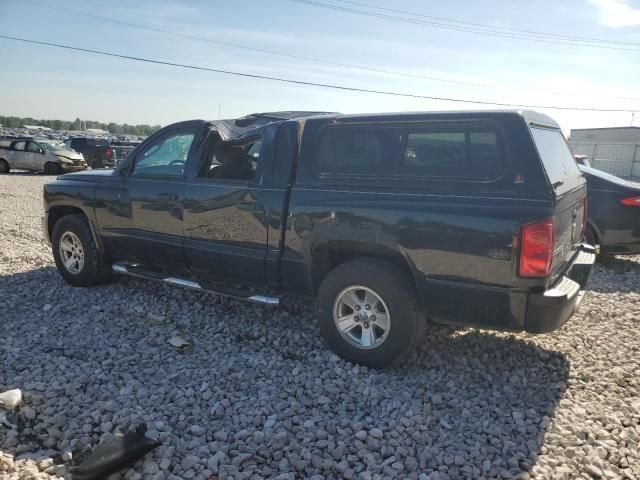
<point>468,402</point>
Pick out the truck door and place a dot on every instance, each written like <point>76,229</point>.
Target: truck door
<point>226,214</point>
<point>150,229</point>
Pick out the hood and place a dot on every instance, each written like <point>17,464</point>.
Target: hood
<point>72,154</point>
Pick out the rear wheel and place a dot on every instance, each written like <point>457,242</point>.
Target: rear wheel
<point>590,236</point>
<point>77,258</point>
<point>51,168</point>
<point>368,313</point>
<point>4,166</point>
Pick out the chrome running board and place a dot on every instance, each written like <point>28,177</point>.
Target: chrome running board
<point>135,270</point>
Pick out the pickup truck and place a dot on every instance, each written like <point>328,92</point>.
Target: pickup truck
<point>97,151</point>
<point>387,220</point>
<point>52,158</point>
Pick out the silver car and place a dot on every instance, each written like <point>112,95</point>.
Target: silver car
<point>52,158</point>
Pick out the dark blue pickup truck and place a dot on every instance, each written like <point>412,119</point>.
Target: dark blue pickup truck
<point>470,218</point>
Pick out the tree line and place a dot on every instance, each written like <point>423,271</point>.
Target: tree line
<point>114,128</point>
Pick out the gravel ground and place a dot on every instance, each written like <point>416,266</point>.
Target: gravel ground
<point>258,395</point>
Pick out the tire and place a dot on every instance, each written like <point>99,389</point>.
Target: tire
<point>368,279</point>
<point>51,168</point>
<point>4,166</point>
<point>94,267</point>
<point>590,236</point>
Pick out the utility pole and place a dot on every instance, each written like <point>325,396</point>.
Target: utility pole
<point>633,116</point>
<point>220,107</point>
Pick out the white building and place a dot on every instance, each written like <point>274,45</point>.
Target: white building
<point>615,150</point>
<point>97,131</point>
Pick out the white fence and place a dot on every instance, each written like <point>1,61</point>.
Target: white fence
<point>620,159</point>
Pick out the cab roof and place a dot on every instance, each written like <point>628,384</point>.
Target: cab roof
<point>247,125</point>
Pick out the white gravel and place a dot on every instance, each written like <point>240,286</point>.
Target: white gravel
<point>258,394</point>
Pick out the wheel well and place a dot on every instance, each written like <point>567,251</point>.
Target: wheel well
<point>594,230</point>
<point>56,213</point>
<point>329,256</point>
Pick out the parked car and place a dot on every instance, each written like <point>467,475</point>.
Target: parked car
<point>614,212</point>
<point>97,151</point>
<point>39,156</point>
<point>384,220</point>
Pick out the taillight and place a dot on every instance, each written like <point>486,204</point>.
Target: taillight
<point>108,152</point>
<point>536,252</point>
<point>631,201</point>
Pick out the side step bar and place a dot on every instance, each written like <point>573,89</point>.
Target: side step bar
<point>135,270</point>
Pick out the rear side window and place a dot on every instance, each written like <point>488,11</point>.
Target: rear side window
<point>358,150</point>
<point>19,145</point>
<point>432,151</point>
<point>555,155</point>
<point>453,152</point>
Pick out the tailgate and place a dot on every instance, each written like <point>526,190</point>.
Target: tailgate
<point>569,220</point>
<point>569,190</point>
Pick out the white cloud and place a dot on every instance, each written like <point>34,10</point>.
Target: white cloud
<point>617,13</point>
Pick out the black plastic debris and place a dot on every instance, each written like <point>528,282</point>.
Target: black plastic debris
<point>110,457</point>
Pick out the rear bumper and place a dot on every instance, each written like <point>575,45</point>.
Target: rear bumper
<point>549,310</point>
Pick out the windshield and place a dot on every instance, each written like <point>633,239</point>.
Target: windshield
<point>55,147</point>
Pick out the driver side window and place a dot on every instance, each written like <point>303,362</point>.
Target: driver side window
<point>33,147</point>
<point>165,156</point>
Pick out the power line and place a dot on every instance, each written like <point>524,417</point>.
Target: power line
<point>307,83</point>
<point>492,27</point>
<point>461,28</point>
<point>255,49</point>
<point>298,57</point>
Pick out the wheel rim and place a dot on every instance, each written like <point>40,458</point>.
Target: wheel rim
<point>71,252</point>
<point>361,317</point>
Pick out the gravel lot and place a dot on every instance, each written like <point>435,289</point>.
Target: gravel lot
<point>259,395</point>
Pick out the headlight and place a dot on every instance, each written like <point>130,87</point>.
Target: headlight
<point>65,160</point>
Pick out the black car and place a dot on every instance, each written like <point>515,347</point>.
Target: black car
<point>96,151</point>
<point>614,212</point>
<point>384,220</point>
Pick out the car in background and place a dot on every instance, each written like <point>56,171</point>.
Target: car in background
<point>97,151</point>
<point>582,160</point>
<point>52,158</point>
<point>613,212</point>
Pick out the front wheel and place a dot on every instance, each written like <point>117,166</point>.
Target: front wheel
<point>368,313</point>
<point>77,258</point>
<point>51,168</point>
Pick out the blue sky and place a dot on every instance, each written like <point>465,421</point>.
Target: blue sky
<point>45,82</point>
